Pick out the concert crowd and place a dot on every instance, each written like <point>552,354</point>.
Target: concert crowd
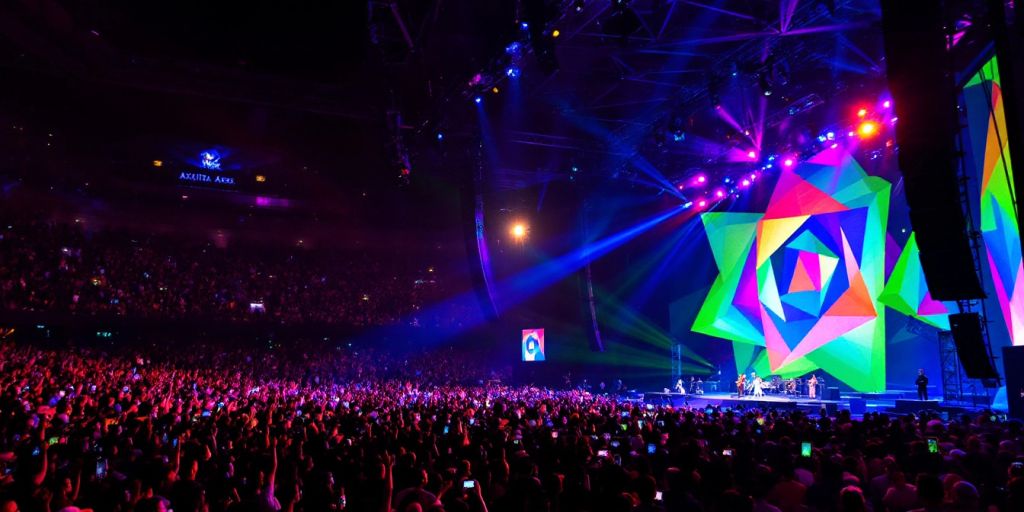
<point>52,267</point>
<point>212,427</point>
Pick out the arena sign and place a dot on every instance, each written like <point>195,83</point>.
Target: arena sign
<point>209,160</point>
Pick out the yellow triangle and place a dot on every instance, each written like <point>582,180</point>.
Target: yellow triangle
<point>772,233</point>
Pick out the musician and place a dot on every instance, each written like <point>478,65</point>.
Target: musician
<point>699,386</point>
<point>812,386</point>
<point>922,385</point>
<point>679,387</point>
<point>741,385</point>
<point>758,383</point>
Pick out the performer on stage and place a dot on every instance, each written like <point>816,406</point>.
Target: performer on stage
<point>741,384</point>
<point>812,386</point>
<point>679,387</point>
<point>922,385</point>
<point>757,384</point>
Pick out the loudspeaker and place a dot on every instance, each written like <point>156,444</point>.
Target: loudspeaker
<point>831,394</point>
<point>925,102</point>
<point>970,346</point>
<point>1013,362</point>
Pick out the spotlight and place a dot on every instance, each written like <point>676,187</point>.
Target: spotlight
<point>788,162</point>
<point>440,136</point>
<point>512,48</point>
<point>578,5</point>
<point>495,89</point>
<point>752,155</point>
<point>518,231</point>
<point>555,33</point>
<point>867,129</point>
<point>701,179</point>
<point>753,176</point>
<point>886,104</point>
<point>702,203</point>
<point>477,100</point>
<point>830,135</point>
<point>719,193</point>
<point>862,112</point>
<point>745,183</point>
<point>822,138</point>
<point>512,72</point>
<point>524,25</point>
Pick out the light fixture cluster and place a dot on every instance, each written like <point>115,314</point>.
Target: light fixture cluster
<point>867,122</point>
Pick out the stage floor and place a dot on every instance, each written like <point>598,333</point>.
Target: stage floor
<point>856,403</point>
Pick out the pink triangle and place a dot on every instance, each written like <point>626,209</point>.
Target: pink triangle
<point>746,292</point>
<point>794,197</point>
<point>812,263</point>
<point>773,341</point>
<point>931,306</point>
<point>801,282</point>
<point>825,331</point>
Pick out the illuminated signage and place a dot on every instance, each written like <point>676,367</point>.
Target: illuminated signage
<point>198,177</point>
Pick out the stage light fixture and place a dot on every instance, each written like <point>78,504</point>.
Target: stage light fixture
<point>862,112</point>
<point>477,100</point>
<point>495,89</point>
<point>702,203</point>
<point>752,155</point>
<point>867,129</point>
<point>261,178</point>
<point>158,163</point>
<point>745,183</point>
<point>512,72</point>
<point>578,5</point>
<point>518,231</point>
<point>886,104</point>
<point>556,33</point>
<point>788,162</point>
<point>719,193</point>
<point>440,136</point>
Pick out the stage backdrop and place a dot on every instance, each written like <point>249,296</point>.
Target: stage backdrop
<point>991,166</point>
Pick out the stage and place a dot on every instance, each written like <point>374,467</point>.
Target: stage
<point>895,402</point>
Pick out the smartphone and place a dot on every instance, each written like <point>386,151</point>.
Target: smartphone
<point>52,441</point>
<point>805,449</point>
<point>446,430</point>
<point>602,453</point>
<point>101,468</point>
<point>933,445</point>
<point>468,484</point>
<point>615,444</point>
<point>657,496</point>
<point>472,421</point>
<point>651,448</point>
<point>515,442</point>
<point>727,452</point>
<point>640,423</point>
<point>174,443</point>
<point>623,427</point>
<point>625,414</point>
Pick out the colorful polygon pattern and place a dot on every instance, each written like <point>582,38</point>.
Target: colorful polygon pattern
<point>986,123</point>
<point>907,292</point>
<point>802,280</point>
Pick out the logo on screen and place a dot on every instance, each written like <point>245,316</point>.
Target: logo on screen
<point>533,344</point>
